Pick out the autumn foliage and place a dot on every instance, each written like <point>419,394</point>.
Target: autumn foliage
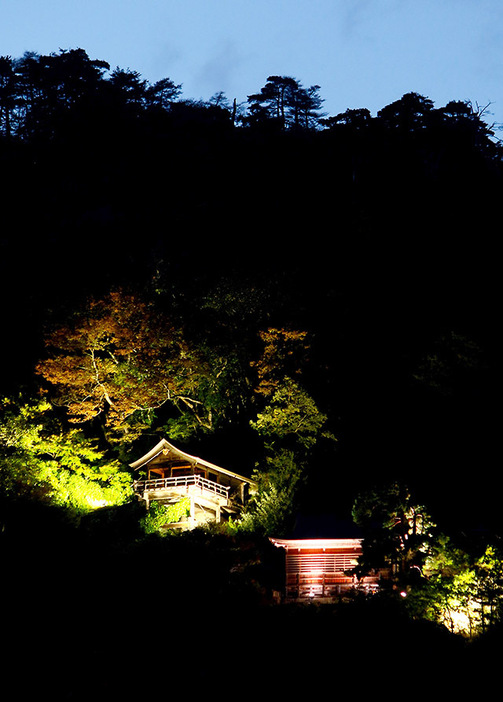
<point>119,358</point>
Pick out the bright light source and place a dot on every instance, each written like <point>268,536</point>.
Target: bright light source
<point>96,503</point>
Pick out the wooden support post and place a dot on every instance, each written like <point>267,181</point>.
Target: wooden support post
<point>217,514</point>
<point>192,511</point>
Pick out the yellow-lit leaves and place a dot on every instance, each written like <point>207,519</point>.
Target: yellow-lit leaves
<point>117,357</point>
<point>283,355</point>
<point>39,458</point>
<point>290,412</point>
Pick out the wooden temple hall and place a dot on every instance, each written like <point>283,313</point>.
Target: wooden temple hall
<point>320,568</point>
<point>172,475</point>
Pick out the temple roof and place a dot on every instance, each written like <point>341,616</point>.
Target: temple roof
<point>313,544</point>
<point>168,449</point>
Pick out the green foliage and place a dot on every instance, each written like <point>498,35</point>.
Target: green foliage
<point>444,591</point>
<point>283,355</point>
<point>290,424</point>
<point>158,515</point>
<point>398,532</point>
<point>221,391</point>
<point>120,362</point>
<point>42,459</point>
<point>489,590</point>
<point>462,592</point>
<point>443,583</point>
<point>271,510</point>
<point>291,413</point>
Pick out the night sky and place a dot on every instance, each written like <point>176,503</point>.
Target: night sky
<point>363,53</point>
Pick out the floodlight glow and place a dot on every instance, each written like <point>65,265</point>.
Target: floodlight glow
<point>95,504</point>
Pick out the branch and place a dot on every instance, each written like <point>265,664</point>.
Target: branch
<point>99,383</point>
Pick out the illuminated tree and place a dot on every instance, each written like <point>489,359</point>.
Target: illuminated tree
<point>397,532</point>
<point>120,361</point>
<point>158,515</point>
<point>443,593</point>
<point>271,509</point>
<point>41,459</point>
<point>290,424</point>
<point>441,581</point>
<point>462,592</point>
<point>489,586</point>
<point>289,413</point>
<point>283,355</point>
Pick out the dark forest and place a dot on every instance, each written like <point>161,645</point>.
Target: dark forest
<point>377,236</point>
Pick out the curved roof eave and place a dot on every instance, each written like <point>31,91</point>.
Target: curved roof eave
<point>163,444</point>
<point>316,543</point>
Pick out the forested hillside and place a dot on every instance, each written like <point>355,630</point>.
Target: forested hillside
<point>375,235</point>
<point>310,299</point>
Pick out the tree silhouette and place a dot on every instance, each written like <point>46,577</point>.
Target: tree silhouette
<point>7,94</point>
<point>284,100</point>
<point>407,114</point>
<point>163,93</point>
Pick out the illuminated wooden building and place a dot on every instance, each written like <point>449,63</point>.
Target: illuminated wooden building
<point>172,475</point>
<point>320,568</point>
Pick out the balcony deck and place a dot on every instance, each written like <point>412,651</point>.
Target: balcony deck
<point>192,485</point>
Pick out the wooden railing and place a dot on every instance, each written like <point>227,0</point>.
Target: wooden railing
<point>326,585</point>
<point>182,482</point>
<point>320,562</point>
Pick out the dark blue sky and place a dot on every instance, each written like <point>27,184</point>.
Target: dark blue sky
<point>363,53</point>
